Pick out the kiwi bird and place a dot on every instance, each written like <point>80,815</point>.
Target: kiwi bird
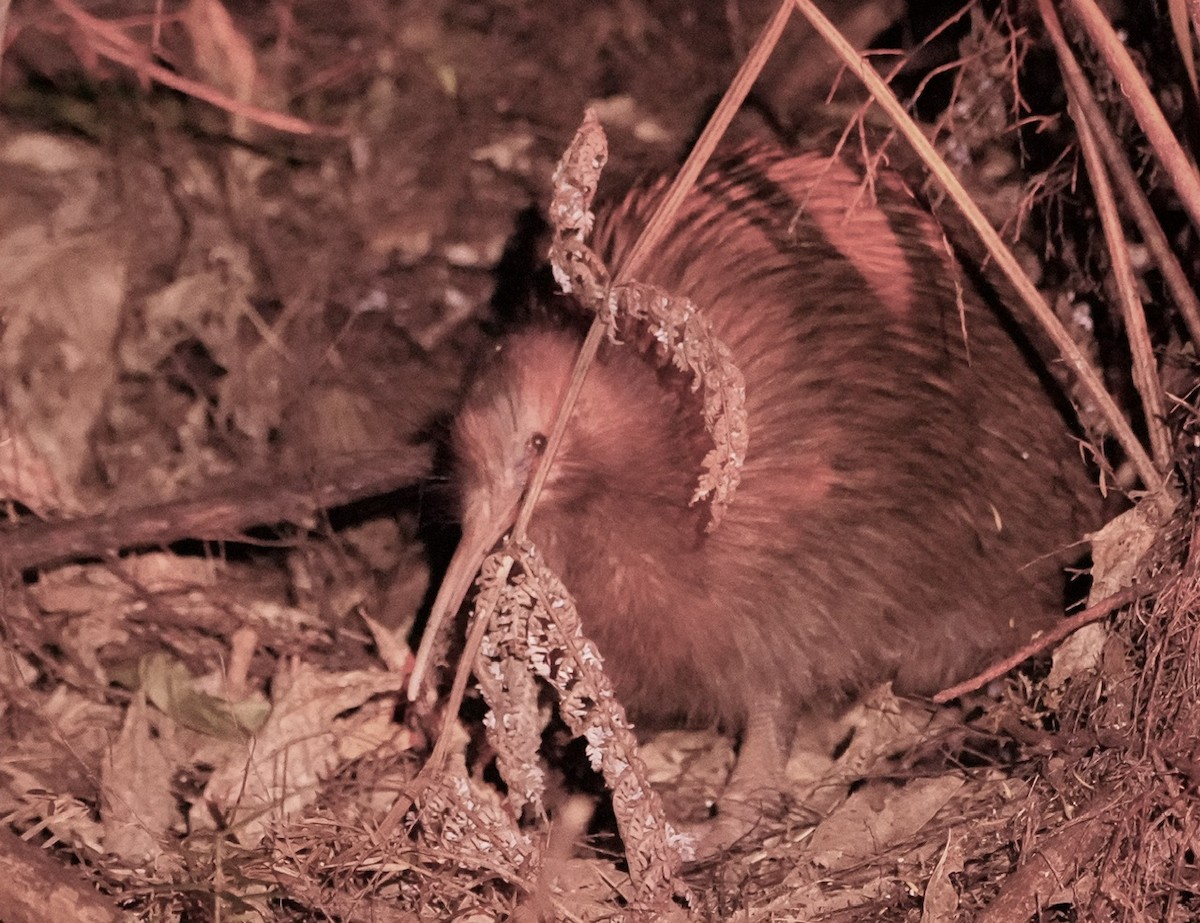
<point>910,493</point>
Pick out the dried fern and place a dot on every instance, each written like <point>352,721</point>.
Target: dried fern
<point>536,632</point>
<point>683,336</point>
<point>470,820</point>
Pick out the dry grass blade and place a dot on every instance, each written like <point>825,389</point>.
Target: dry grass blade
<point>658,225</point>
<point>109,42</point>
<point>735,95</point>
<point>1145,371</point>
<point>1166,146</point>
<point>1181,26</point>
<point>1089,379</point>
<point>1122,174</point>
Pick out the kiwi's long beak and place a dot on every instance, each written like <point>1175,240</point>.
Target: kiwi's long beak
<point>478,538</point>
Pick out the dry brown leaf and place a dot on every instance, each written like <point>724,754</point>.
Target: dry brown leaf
<point>62,290</point>
<point>279,771</point>
<point>393,650</point>
<point>100,591</point>
<point>204,305</point>
<point>941,897</point>
<point>48,774</point>
<point>1117,550</point>
<point>875,818</point>
<point>24,475</point>
<point>689,769</point>
<point>816,901</point>
<point>137,805</point>
<point>79,590</point>
<point>170,687</point>
<point>17,674</point>
<point>160,572</point>
<point>86,637</point>
<point>882,724</point>
<point>374,730</point>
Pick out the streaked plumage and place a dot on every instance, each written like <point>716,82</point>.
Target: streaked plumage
<point>902,515</point>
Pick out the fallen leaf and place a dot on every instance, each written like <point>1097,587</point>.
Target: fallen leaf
<point>280,769</point>
<point>170,687</point>
<point>137,806</point>
<point>876,817</point>
<point>1117,550</point>
<point>941,897</point>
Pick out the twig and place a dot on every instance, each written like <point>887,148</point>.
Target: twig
<point>485,608</point>
<point>1056,863</point>
<point>37,888</point>
<point>1060,632</point>
<point>1162,140</point>
<point>1088,378</point>
<point>1122,175</point>
<point>220,513</point>
<point>657,226</point>
<point>1181,28</point>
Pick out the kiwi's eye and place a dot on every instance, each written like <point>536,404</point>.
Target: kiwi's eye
<point>537,443</point>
